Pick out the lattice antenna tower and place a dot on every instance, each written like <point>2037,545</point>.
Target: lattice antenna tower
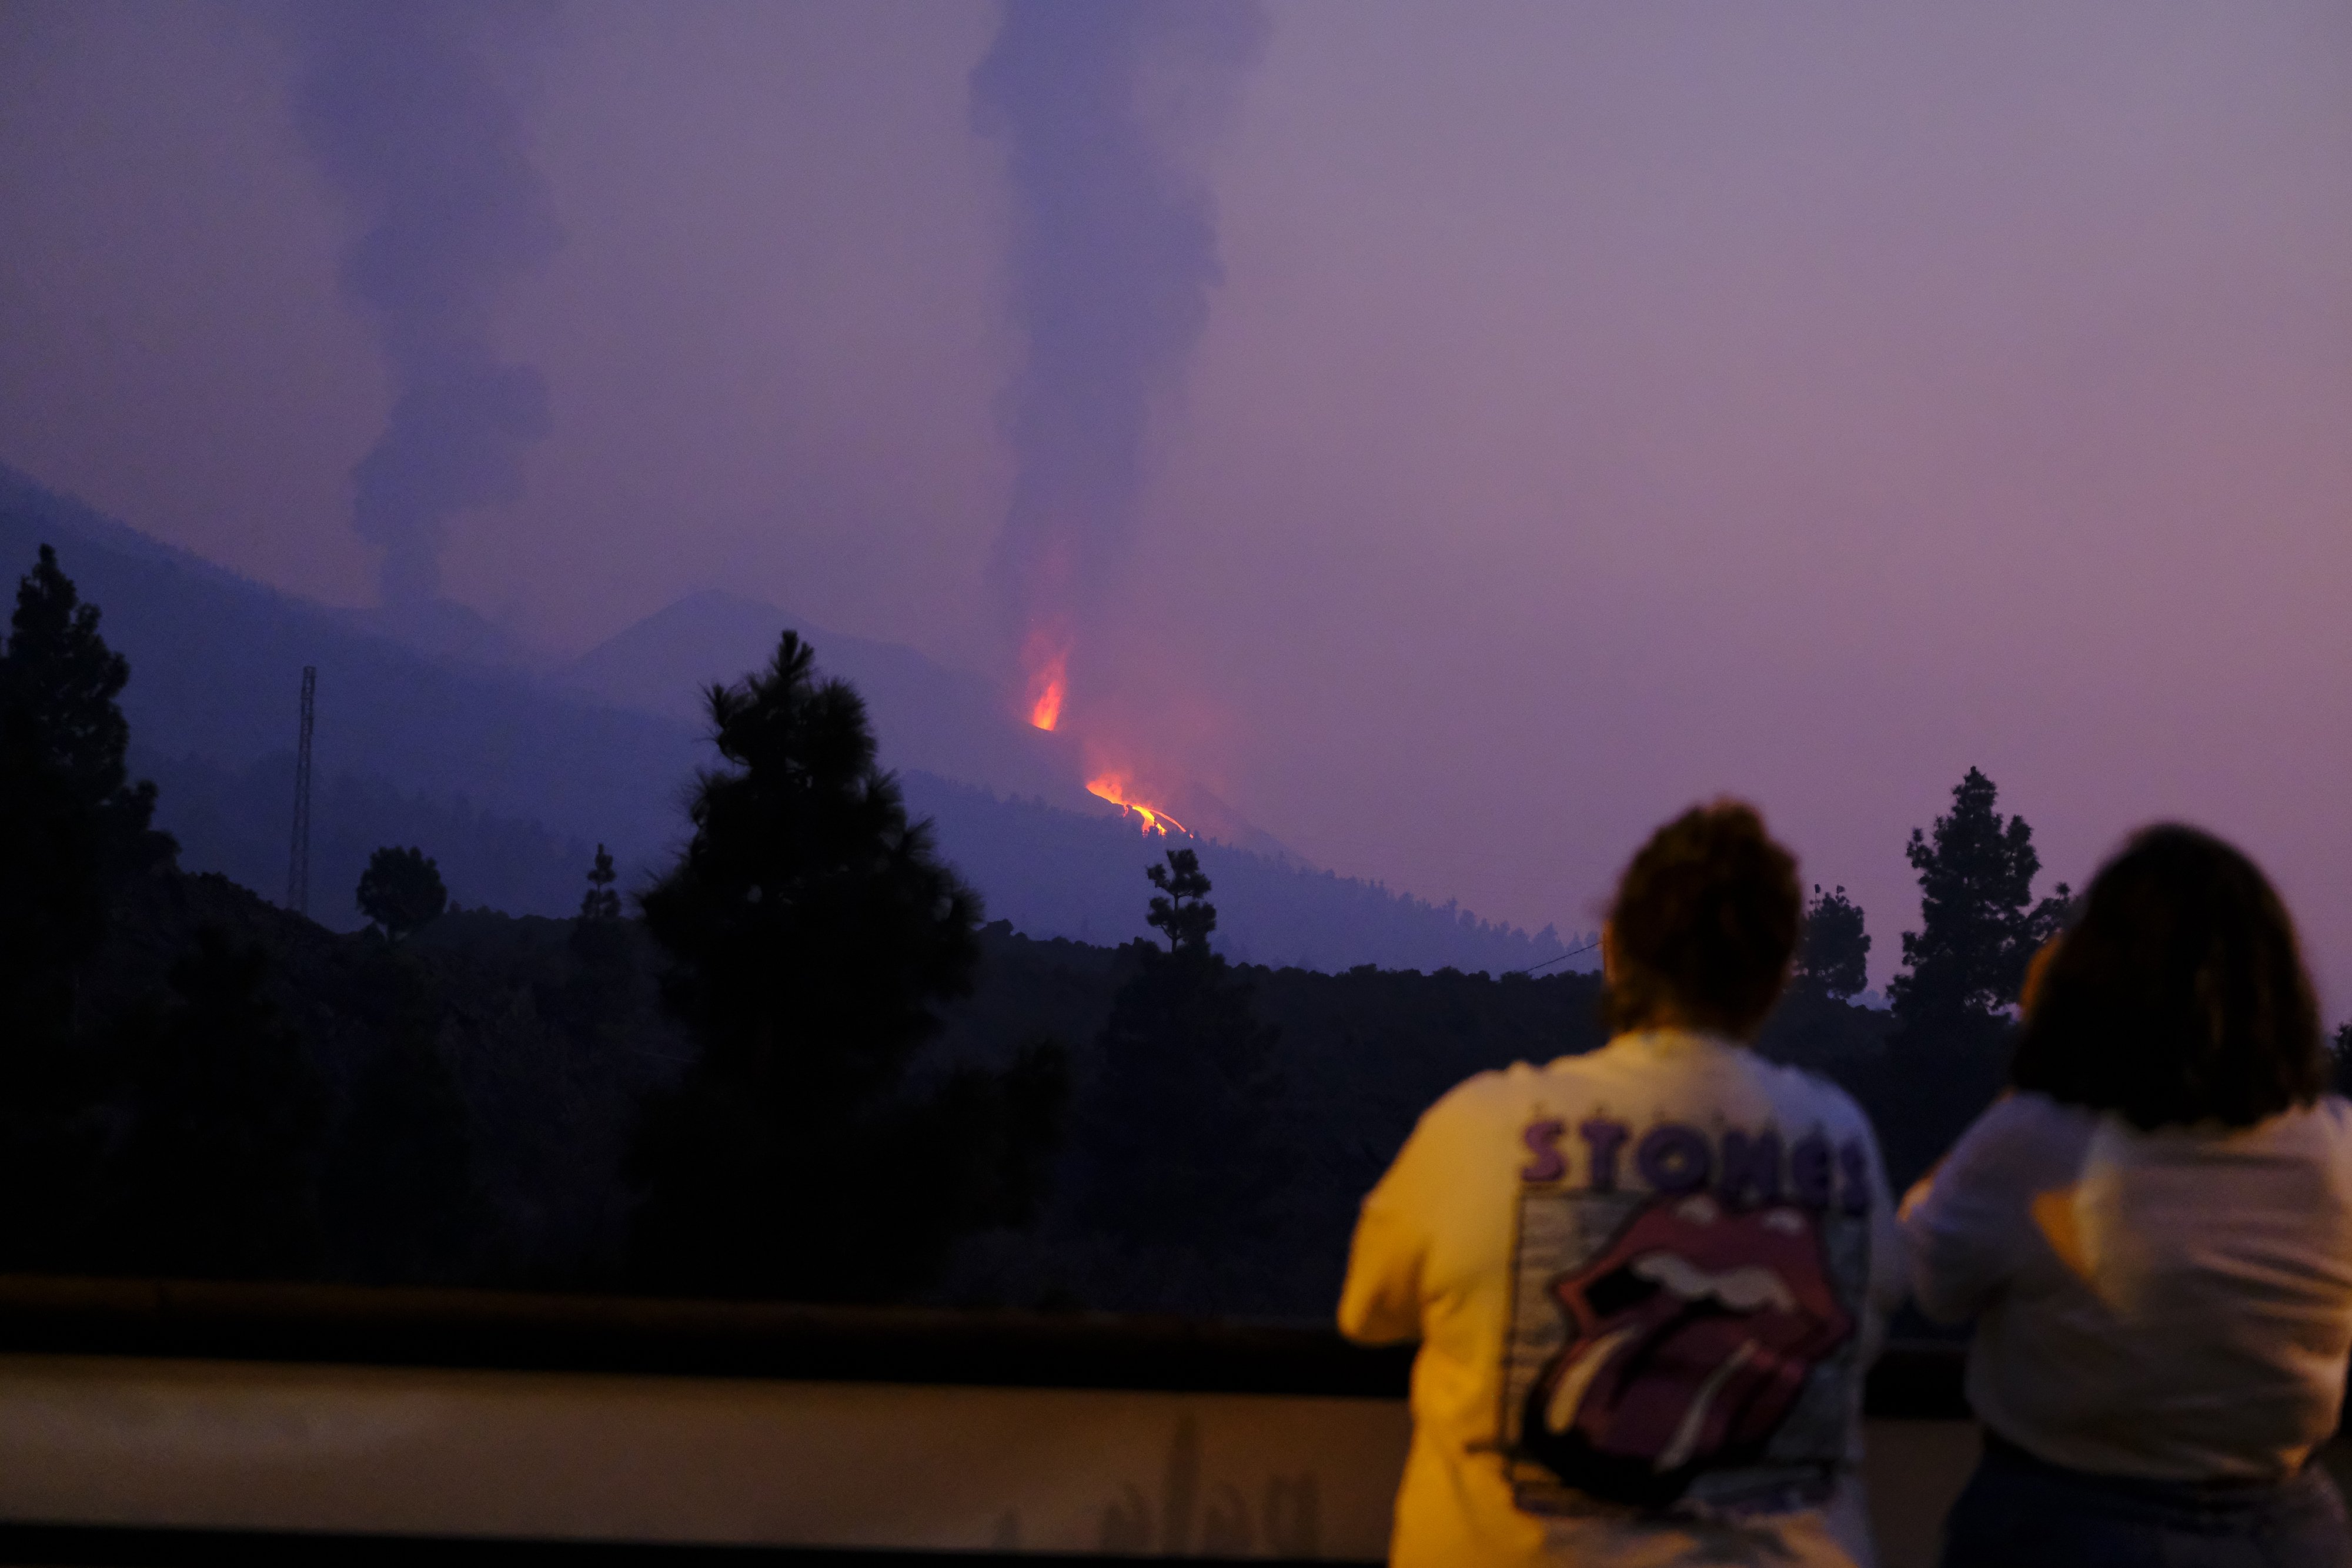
<point>297,875</point>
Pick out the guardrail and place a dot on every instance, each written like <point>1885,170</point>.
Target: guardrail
<point>161,1422</point>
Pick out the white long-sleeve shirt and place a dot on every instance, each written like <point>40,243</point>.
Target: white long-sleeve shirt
<point>1647,1282</point>
<point>2174,1305</point>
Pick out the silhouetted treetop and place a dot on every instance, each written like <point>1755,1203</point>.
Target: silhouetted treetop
<point>1979,921</point>
<point>601,902</point>
<point>807,909</point>
<point>1180,909</point>
<point>59,683</point>
<point>813,937</point>
<point>401,890</point>
<point>1835,953</point>
<point>72,831</point>
<point>1180,1141</point>
<point>62,679</point>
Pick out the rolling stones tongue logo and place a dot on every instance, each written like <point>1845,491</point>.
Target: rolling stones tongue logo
<point>1692,1332</point>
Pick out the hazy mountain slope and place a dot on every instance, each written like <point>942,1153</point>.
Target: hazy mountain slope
<point>508,779</point>
<point>216,671</point>
<point>928,716</point>
<point>1056,875</point>
<point>234,821</point>
<point>925,715</point>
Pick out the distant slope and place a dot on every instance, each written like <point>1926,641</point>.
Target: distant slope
<point>925,715</point>
<point>1054,874</point>
<point>215,673</point>
<point>234,821</point>
<point>508,779</point>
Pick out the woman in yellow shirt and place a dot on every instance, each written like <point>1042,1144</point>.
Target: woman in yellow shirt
<point>1646,1281</point>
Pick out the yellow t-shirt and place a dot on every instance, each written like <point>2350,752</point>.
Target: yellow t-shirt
<point>1647,1282</point>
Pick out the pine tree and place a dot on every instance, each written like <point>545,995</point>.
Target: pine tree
<point>1979,925</point>
<point>1179,1140</point>
<point>74,834</point>
<point>72,829</point>
<point>601,902</point>
<point>1835,956</point>
<point>599,942</point>
<point>814,936</point>
<point>400,1199</point>
<point>1180,909</point>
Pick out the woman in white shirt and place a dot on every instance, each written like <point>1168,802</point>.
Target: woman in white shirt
<point>2153,1235</point>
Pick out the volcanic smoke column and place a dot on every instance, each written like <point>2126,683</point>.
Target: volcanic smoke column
<point>1114,253</point>
<point>404,104</point>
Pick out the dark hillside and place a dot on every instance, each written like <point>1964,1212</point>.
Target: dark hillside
<point>233,821</point>
<point>543,1062</point>
<point>538,1052</point>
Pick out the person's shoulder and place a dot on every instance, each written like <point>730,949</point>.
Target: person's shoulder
<point>1503,1090</point>
<point>2025,1131</point>
<point>2333,1113</point>
<point>2326,1120</point>
<point>2326,1139</point>
<point>2030,1113</point>
<point>1816,1094</point>
<point>1494,1086</point>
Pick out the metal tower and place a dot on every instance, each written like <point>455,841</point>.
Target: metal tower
<point>298,878</point>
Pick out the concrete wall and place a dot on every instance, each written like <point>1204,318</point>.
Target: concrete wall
<point>241,1445</point>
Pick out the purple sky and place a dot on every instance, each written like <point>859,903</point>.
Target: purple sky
<point>1603,407</point>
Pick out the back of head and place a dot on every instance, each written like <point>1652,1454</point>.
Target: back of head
<point>1705,924</point>
<point>2178,995</point>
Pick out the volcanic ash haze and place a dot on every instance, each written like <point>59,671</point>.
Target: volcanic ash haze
<point>407,107</point>
<point>1113,257</point>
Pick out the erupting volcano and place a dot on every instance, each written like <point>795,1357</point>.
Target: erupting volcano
<point>1048,677</point>
<point>1046,712</point>
<point>1045,657</point>
<point>1113,787</point>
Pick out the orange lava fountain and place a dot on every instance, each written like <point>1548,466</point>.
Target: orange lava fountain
<point>1112,787</point>
<point>1048,676</point>
<point>1048,710</point>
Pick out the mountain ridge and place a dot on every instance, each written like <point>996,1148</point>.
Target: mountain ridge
<point>514,775</point>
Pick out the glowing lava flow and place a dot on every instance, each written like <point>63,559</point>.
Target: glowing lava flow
<point>1112,787</point>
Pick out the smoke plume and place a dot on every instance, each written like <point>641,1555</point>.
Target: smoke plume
<point>1114,252</point>
<point>405,106</point>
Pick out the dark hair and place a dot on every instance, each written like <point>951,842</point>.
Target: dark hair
<point>1705,924</point>
<point>2178,994</point>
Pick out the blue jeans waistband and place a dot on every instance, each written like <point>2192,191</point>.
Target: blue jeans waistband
<point>2219,1491</point>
